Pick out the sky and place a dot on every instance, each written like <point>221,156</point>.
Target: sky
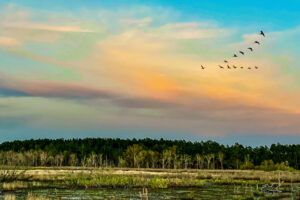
<point>132,69</point>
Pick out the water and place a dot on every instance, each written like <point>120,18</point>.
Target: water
<point>206,193</point>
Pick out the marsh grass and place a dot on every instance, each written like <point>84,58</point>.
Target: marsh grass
<point>10,175</point>
<point>130,181</point>
<point>144,194</point>
<point>9,196</point>
<point>31,196</point>
<point>158,182</point>
<point>11,186</point>
<point>152,178</point>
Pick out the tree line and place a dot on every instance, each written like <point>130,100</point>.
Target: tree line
<point>147,153</point>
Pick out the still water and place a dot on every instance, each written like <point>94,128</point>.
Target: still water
<point>207,192</point>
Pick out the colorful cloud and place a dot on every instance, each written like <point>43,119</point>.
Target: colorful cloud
<point>142,71</point>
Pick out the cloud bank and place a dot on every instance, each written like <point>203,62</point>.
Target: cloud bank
<point>143,72</point>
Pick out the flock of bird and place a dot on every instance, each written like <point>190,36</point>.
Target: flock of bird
<point>236,55</point>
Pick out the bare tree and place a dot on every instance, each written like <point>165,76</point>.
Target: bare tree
<point>200,161</point>
<point>84,161</point>
<point>209,158</point>
<point>213,156</point>
<point>59,159</point>
<point>92,160</point>
<point>44,158</point>
<point>100,160</point>
<point>73,160</point>
<point>221,159</point>
<point>186,159</point>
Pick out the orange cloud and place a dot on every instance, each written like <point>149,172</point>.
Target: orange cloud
<point>9,42</point>
<point>150,66</point>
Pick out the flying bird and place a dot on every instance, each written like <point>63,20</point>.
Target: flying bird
<point>221,67</point>
<point>234,66</point>
<point>225,61</point>
<point>242,53</point>
<point>262,33</point>
<point>235,55</point>
<point>250,48</point>
<point>256,42</point>
<point>202,67</point>
<point>242,67</point>
<point>249,67</point>
<point>256,67</point>
<point>228,67</point>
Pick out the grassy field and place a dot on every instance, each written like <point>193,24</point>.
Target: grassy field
<point>154,178</point>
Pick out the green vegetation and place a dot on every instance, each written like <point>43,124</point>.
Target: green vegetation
<point>268,165</point>
<point>131,181</point>
<point>147,153</point>
<point>155,178</point>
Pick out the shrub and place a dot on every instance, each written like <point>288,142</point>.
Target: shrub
<point>248,165</point>
<point>269,165</point>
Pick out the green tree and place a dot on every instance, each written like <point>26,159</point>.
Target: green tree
<point>131,155</point>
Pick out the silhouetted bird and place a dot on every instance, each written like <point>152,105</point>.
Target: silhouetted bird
<point>234,66</point>
<point>256,42</point>
<point>249,67</point>
<point>202,67</point>
<point>250,48</point>
<point>242,67</point>
<point>262,33</point>
<point>221,67</point>
<point>256,67</point>
<point>225,61</point>
<point>235,55</point>
<point>242,53</point>
<point>228,67</point>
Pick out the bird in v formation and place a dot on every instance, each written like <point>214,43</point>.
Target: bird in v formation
<point>242,53</point>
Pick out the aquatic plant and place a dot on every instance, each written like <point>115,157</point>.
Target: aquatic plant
<point>144,194</point>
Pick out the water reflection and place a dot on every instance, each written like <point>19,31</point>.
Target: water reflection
<point>9,196</point>
<point>31,196</point>
<point>207,192</point>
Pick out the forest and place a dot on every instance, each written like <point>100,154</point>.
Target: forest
<point>147,153</point>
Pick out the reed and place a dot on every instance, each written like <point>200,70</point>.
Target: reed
<point>31,196</point>
<point>9,196</point>
<point>14,186</point>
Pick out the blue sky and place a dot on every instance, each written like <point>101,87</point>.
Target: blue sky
<point>131,69</point>
<point>273,14</point>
